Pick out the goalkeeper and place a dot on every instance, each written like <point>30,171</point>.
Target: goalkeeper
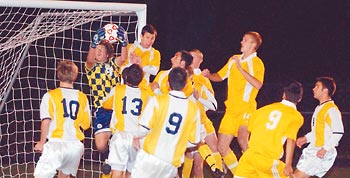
<point>103,73</point>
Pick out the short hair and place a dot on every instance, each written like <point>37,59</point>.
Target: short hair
<point>256,37</point>
<point>177,78</point>
<point>109,48</point>
<point>187,57</point>
<point>199,52</point>
<point>293,92</point>
<point>133,75</point>
<point>329,83</point>
<point>67,71</point>
<point>150,29</point>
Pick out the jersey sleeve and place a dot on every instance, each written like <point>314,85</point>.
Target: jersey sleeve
<point>108,101</point>
<point>45,107</point>
<point>336,127</point>
<point>225,70</point>
<point>148,115</point>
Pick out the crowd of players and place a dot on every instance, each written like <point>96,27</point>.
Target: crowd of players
<point>151,128</point>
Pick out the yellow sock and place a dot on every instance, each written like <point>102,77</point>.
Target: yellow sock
<point>231,161</point>
<point>187,167</point>
<point>106,176</point>
<point>218,160</point>
<point>207,155</point>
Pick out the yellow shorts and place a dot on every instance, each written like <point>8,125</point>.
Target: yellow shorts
<point>257,165</point>
<point>231,121</point>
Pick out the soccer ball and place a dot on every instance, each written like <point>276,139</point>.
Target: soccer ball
<point>111,32</point>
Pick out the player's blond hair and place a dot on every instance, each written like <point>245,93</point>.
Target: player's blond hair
<point>67,71</point>
<point>256,37</point>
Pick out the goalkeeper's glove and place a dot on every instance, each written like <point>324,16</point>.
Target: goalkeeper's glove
<point>97,37</point>
<point>122,36</point>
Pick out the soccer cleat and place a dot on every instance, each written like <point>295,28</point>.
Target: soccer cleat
<point>218,174</point>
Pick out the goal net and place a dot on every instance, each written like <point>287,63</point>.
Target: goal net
<point>34,36</point>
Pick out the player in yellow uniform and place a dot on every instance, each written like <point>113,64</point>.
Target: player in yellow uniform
<point>169,123</point>
<point>103,70</point>
<point>204,94</point>
<point>181,59</point>
<point>326,131</point>
<point>127,102</point>
<point>64,111</point>
<point>143,53</point>
<point>271,128</point>
<point>245,75</point>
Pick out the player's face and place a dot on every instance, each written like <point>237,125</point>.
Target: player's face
<point>318,90</point>
<point>147,40</point>
<point>176,60</point>
<point>101,53</point>
<point>248,44</point>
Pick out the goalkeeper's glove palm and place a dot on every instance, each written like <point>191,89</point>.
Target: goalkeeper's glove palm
<point>122,36</point>
<point>97,37</point>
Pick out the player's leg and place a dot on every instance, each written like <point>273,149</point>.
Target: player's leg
<point>212,141</point>
<point>242,137</point>
<point>197,165</point>
<point>118,174</point>
<point>102,134</point>
<point>187,165</point>
<point>227,131</point>
<point>62,175</point>
<point>227,154</point>
<point>300,174</point>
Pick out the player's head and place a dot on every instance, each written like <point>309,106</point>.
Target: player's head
<point>67,71</point>
<point>104,51</point>
<point>177,79</point>
<point>133,75</point>
<point>197,58</point>
<point>182,59</point>
<point>324,85</point>
<point>293,92</point>
<point>148,36</point>
<point>251,41</point>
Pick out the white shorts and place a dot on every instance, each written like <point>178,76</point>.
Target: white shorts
<point>122,154</point>
<point>149,166</point>
<point>312,165</point>
<point>59,155</point>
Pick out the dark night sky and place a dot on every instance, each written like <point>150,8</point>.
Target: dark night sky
<point>301,39</point>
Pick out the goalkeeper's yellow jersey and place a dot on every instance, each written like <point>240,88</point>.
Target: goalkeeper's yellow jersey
<point>102,78</point>
<point>127,104</point>
<point>150,58</point>
<point>173,122</point>
<point>271,125</point>
<point>162,80</point>
<point>240,93</point>
<point>68,110</point>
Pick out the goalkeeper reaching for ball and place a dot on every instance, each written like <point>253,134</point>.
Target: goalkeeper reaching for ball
<point>103,73</point>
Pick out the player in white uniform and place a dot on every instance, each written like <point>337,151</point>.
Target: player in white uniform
<point>326,131</point>
<point>127,102</point>
<point>169,123</point>
<point>64,111</point>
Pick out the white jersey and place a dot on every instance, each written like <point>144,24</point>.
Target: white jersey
<point>127,104</point>
<point>173,122</point>
<point>68,110</point>
<point>326,126</point>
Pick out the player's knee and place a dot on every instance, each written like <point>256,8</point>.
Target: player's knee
<point>223,149</point>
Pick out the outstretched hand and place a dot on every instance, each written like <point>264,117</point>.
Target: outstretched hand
<point>122,36</point>
<point>97,37</point>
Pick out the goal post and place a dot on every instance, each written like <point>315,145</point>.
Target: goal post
<point>34,36</point>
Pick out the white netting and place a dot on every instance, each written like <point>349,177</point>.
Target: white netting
<point>32,40</point>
